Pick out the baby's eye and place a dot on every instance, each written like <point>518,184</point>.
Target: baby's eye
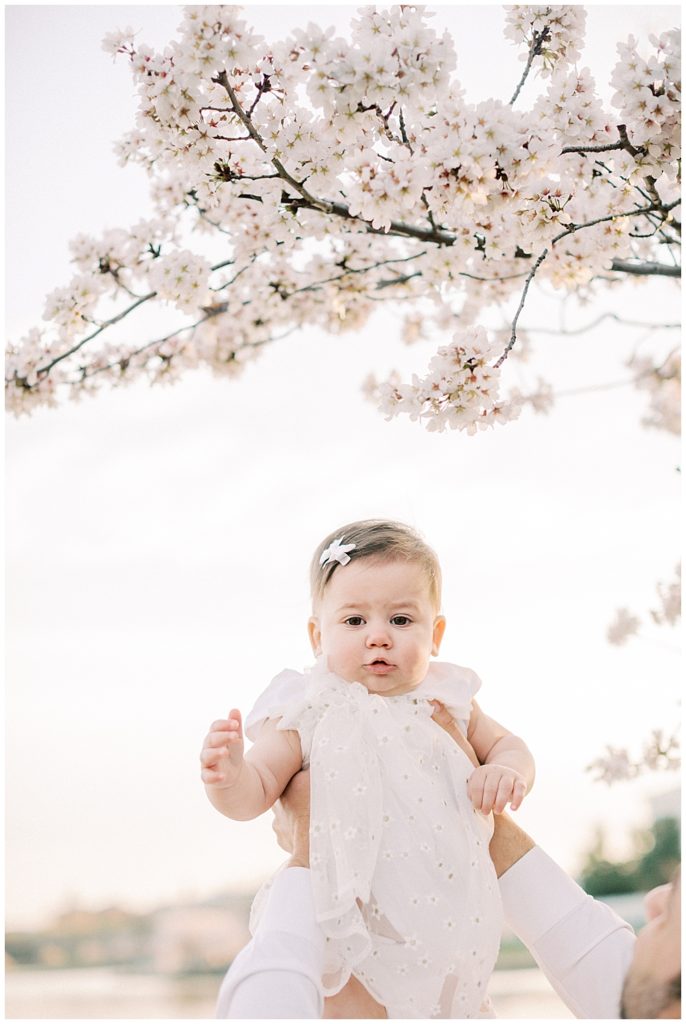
<point>354,620</point>
<point>401,620</point>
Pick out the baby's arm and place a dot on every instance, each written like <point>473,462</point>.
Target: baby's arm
<point>243,787</point>
<point>507,770</point>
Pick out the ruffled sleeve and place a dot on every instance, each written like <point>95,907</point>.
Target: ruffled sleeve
<point>454,686</point>
<point>284,690</point>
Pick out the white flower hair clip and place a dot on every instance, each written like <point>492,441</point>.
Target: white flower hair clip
<point>336,552</point>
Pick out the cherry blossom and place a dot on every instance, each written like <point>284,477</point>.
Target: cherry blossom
<point>669,612</point>
<point>625,625</point>
<point>663,384</point>
<point>461,388</point>
<point>558,31</point>
<point>660,753</point>
<point>305,181</point>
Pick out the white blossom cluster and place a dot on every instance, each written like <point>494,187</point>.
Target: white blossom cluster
<point>660,753</point>
<point>669,612</point>
<point>663,384</point>
<point>560,28</point>
<point>334,174</point>
<point>181,278</point>
<point>460,390</point>
<point>649,100</point>
<point>626,624</point>
<point>623,627</point>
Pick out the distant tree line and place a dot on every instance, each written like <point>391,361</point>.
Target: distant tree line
<point>657,854</point>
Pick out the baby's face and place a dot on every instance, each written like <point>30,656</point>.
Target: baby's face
<point>376,625</point>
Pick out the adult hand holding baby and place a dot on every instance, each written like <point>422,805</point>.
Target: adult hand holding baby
<point>490,786</point>
<point>291,822</point>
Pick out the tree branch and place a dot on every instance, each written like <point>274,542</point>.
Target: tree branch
<point>396,228</point>
<point>659,207</point>
<point>108,323</point>
<point>432,235</point>
<point>563,234</point>
<point>646,269</point>
<point>513,335</point>
<point>539,38</point>
<point>223,79</point>
<point>599,320</point>
<point>603,148</point>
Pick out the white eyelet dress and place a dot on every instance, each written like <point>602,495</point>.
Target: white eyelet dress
<point>404,887</point>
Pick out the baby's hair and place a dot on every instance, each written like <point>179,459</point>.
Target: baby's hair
<point>384,541</point>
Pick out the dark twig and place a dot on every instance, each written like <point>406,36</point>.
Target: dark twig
<point>513,335</point>
<point>659,207</point>
<point>646,269</point>
<point>42,370</point>
<point>599,320</point>
<point>539,38</point>
<point>604,148</point>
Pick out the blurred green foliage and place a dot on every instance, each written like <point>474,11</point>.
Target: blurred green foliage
<point>657,854</point>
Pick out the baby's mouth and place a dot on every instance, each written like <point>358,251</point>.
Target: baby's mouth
<point>379,666</point>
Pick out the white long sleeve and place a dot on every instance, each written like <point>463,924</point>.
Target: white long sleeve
<point>278,974</point>
<point>580,944</point>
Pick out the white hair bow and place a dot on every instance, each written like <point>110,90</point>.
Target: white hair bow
<point>336,552</point>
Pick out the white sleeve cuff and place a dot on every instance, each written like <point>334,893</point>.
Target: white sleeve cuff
<point>537,894</point>
<point>582,946</point>
<point>290,908</point>
<point>278,974</point>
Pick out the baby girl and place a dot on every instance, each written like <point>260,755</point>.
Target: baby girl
<point>403,884</point>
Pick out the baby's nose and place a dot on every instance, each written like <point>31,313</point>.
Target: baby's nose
<point>378,638</point>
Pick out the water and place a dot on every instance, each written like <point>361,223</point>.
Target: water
<point>105,993</point>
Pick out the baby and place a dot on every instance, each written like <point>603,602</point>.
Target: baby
<point>403,884</point>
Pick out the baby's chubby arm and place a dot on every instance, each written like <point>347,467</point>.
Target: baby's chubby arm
<point>244,786</point>
<point>507,769</point>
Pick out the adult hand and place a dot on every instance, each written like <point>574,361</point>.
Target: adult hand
<point>291,822</point>
<point>509,842</point>
<point>446,721</point>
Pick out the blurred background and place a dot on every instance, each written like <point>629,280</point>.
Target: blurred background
<point>159,539</point>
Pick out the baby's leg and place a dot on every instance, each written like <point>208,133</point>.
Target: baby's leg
<point>353,1002</point>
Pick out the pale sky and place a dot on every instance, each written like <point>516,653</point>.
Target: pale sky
<point>159,539</point>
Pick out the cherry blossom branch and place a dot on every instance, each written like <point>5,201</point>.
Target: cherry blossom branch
<point>325,205</point>
<point>42,370</point>
<point>223,79</point>
<point>124,361</point>
<point>427,235</point>
<point>563,234</point>
<point>599,320</point>
<point>437,204</point>
<point>622,143</point>
<point>397,228</point>
<point>610,386</point>
<point>602,148</point>
<point>539,38</point>
<point>646,269</point>
<point>513,336</point>
<point>673,223</point>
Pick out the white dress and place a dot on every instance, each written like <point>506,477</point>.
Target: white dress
<point>404,887</point>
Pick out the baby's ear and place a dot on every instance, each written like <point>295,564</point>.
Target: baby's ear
<point>439,630</point>
<point>315,635</point>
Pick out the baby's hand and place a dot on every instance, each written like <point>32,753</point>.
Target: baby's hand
<point>221,756</point>
<point>492,786</point>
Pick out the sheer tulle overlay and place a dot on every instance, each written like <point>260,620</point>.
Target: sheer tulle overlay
<point>403,884</point>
